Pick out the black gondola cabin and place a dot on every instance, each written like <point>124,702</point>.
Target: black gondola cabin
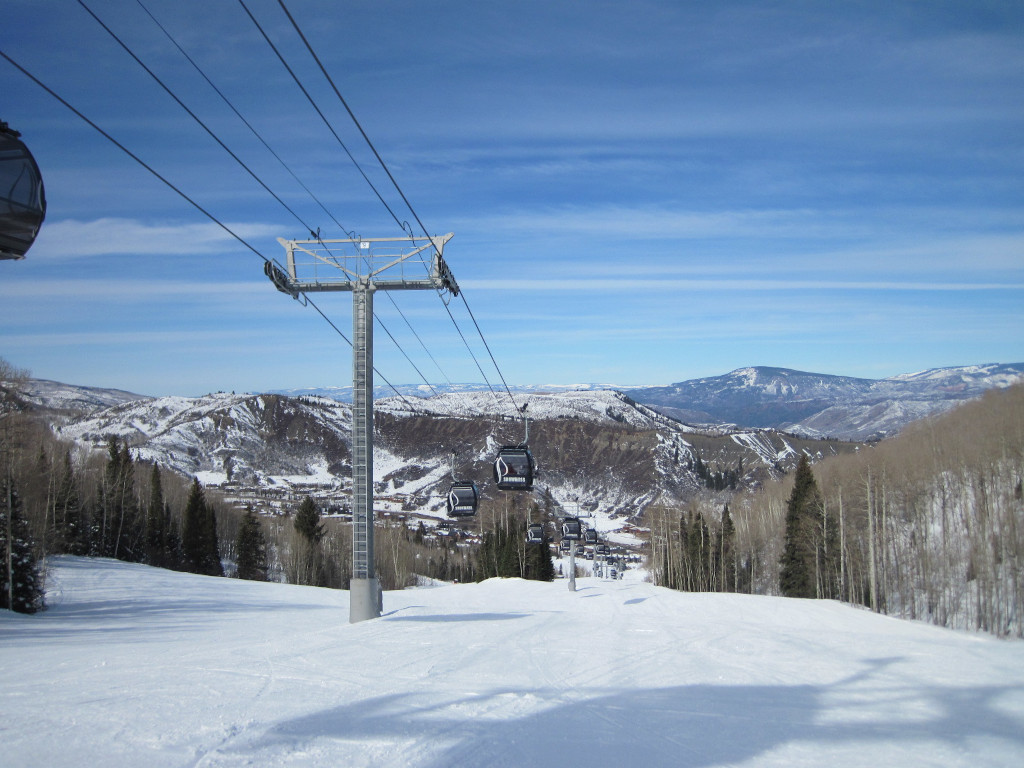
<point>513,469</point>
<point>22,198</point>
<point>462,500</point>
<point>572,529</point>
<point>535,533</point>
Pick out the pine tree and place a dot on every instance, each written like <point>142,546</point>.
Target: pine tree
<point>120,529</point>
<point>199,548</point>
<point>211,546</point>
<point>192,533</point>
<point>724,555</point>
<point>801,555</point>
<point>307,521</point>
<point>307,559</point>
<point>21,580</point>
<point>156,530</point>
<point>251,548</point>
<point>71,522</point>
<point>539,566</point>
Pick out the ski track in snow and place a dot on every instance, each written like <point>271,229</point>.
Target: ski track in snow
<point>135,666</point>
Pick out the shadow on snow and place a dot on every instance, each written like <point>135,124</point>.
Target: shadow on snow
<point>698,725</point>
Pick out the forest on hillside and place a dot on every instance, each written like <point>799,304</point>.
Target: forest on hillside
<point>928,525</point>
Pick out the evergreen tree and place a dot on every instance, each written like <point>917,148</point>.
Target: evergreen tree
<point>539,565</point>
<point>21,580</point>
<point>199,547</point>
<point>724,556</point>
<point>71,522</point>
<point>801,556</point>
<point>251,548</point>
<point>172,540</point>
<point>192,533</point>
<point>307,561</point>
<point>307,521</point>
<point>156,529</point>
<point>211,549</point>
<point>120,528</point>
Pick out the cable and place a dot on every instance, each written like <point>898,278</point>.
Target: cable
<point>316,234</point>
<point>360,127</point>
<point>248,125</point>
<point>322,117</point>
<point>383,165</point>
<point>488,348</point>
<point>402,225</point>
<point>194,116</point>
<point>133,156</point>
<point>193,203</point>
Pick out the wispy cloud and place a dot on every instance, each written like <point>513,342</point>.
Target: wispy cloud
<point>670,284</point>
<point>136,290</point>
<point>73,239</point>
<point>129,339</point>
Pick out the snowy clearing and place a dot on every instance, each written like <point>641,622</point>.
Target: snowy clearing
<point>134,666</point>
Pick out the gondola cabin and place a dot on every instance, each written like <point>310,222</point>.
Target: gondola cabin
<point>513,469</point>
<point>462,500</point>
<point>22,198</point>
<point>590,536</point>
<point>572,529</point>
<point>535,533</point>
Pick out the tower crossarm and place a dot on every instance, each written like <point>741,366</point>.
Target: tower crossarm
<point>387,263</point>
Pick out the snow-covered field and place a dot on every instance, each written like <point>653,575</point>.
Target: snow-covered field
<point>134,666</point>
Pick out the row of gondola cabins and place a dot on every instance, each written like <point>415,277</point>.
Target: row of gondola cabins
<point>513,471</point>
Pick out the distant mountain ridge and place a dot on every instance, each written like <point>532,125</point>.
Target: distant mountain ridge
<point>817,404</point>
<point>812,405</point>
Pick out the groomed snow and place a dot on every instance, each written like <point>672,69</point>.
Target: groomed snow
<point>135,666</point>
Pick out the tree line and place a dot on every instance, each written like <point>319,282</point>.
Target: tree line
<point>927,525</point>
<point>693,550</point>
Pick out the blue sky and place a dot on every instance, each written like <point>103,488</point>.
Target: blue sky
<point>640,192</point>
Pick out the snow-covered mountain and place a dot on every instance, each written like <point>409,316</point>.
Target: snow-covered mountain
<point>599,449</point>
<point>67,397</point>
<point>815,404</point>
<point>809,404</point>
<point>344,393</point>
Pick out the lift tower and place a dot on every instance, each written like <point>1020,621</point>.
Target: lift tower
<point>362,266</point>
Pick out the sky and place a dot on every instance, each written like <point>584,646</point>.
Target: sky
<point>640,193</point>
<point>133,665</point>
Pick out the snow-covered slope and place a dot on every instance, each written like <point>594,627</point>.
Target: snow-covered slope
<point>595,406</point>
<point>137,666</point>
<point>227,437</point>
<point>61,397</point>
